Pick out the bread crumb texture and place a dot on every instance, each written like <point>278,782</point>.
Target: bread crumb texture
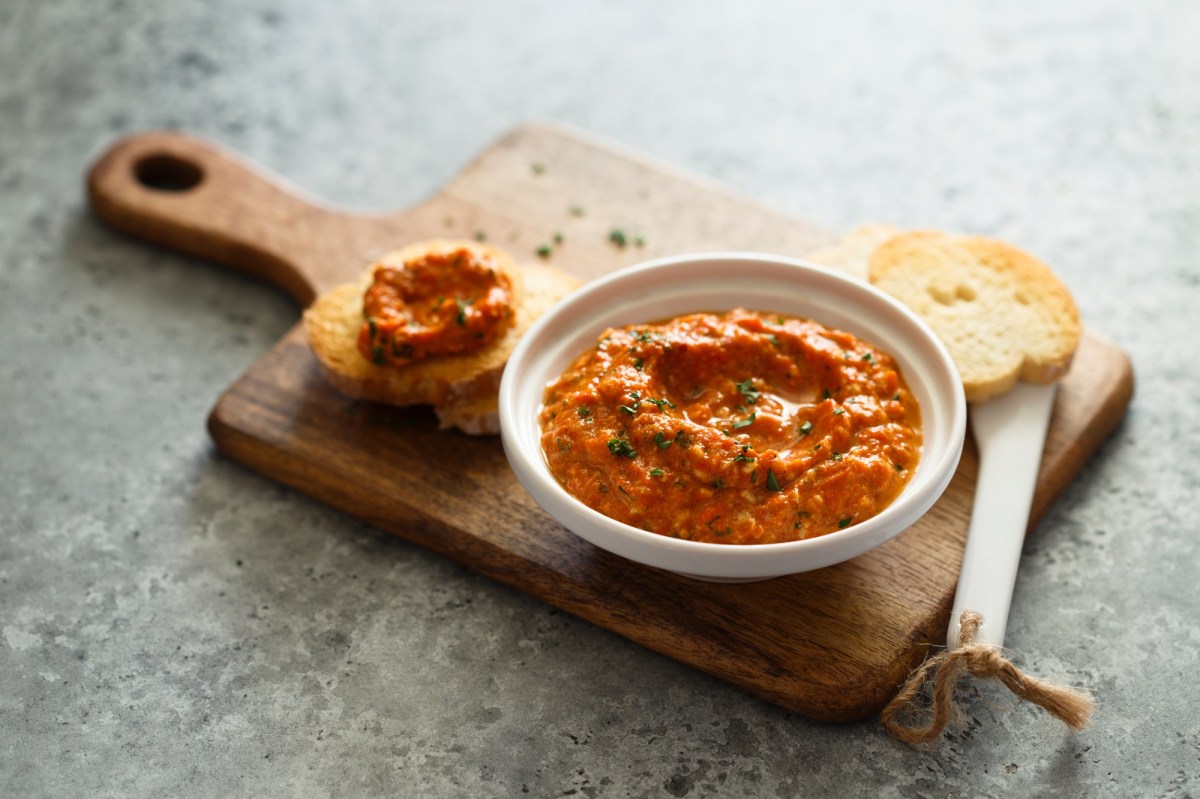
<point>1003,314</point>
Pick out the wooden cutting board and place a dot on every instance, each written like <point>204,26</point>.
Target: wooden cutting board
<point>833,644</point>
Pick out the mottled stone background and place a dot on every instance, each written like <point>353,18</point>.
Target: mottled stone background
<point>172,624</point>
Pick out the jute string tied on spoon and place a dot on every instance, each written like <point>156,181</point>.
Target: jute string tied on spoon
<point>981,660</point>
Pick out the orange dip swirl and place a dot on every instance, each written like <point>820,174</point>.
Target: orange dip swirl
<point>736,428</point>
<point>438,304</point>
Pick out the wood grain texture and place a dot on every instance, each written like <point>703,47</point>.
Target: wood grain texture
<point>832,644</point>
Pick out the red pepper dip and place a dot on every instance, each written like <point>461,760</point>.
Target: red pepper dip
<point>736,428</point>
<point>437,304</point>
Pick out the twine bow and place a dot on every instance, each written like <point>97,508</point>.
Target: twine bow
<point>1067,704</point>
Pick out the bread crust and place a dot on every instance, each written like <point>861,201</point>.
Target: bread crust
<point>462,388</point>
<point>1003,314</point>
<point>852,253</point>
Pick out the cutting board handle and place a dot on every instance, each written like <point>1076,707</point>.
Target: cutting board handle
<point>188,194</point>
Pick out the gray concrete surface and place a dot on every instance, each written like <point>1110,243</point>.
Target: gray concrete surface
<point>174,625</point>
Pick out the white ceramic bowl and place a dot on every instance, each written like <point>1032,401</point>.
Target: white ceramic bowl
<point>718,282</point>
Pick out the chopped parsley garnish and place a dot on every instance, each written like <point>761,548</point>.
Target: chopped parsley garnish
<point>537,167</point>
<point>772,483</point>
<point>583,411</point>
<point>371,326</point>
<point>837,456</point>
<point>631,410</point>
<point>643,337</point>
<point>621,447</point>
<point>869,358</point>
<point>576,210</point>
<point>638,364</point>
<point>740,423</point>
<point>660,403</point>
<point>617,237</point>
<point>377,356</point>
<point>845,522</point>
<point>825,394</point>
<point>639,240</point>
<point>747,390</point>
<point>718,484</point>
<point>771,337</point>
<point>806,428</point>
<point>462,304</point>
<point>743,457</point>
<point>838,411</point>
<point>661,440</point>
<point>657,472</point>
<point>558,237</point>
<point>544,251</point>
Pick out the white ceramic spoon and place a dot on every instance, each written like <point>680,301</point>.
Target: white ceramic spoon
<point>1010,433</point>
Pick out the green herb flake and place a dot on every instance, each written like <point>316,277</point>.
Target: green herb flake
<point>480,235</point>
<point>629,409</point>
<point>743,457</point>
<point>837,456</point>
<point>583,411</point>
<point>544,251</point>
<point>537,168</point>
<point>747,390</point>
<point>621,447</point>
<point>617,237</point>
<point>806,428</point>
<point>771,337</point>
<point>558,237</point>
<point>638,364</point>
<point>844,522</point>
<point>576,210</point>
<point>657,472</point>
<point>377,356</point>
<point>772,483</point>
<point>740,423</point>
<point>718,484</point>
<point>825,394</point>
<point>661,440</point>
<point>462,304</point>
<point>371,326</point>
<point>639,240</point>
<point>869,357</point>
<point>839,411</point>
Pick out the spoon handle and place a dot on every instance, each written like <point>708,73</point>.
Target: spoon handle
<point>1010,432</point>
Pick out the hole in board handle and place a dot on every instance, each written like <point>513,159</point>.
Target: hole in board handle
<point>167,173</point>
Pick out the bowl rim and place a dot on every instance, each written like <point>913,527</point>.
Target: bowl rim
<point>601,298</point>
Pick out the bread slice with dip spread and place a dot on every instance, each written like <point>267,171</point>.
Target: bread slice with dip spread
<point>461,386</point>
<point>1003,314</point>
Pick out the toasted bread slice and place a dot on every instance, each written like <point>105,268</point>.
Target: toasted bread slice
<point>1001,313</point>
<point>463,385</point>
<point>853,252</point>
